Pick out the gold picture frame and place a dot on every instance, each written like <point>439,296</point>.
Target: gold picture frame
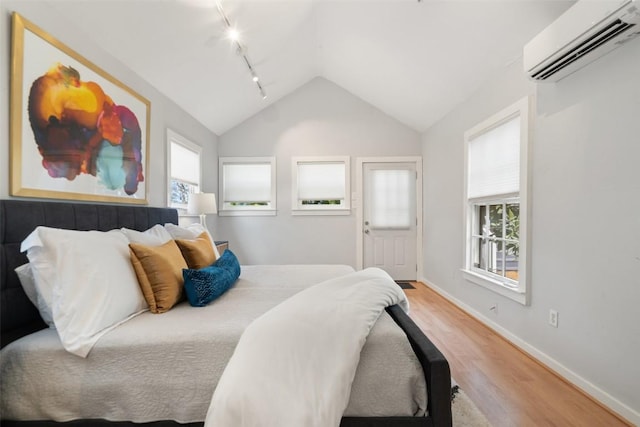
<point>75,131</point>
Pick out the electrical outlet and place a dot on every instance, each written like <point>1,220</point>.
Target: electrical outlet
<point>553,318</point>
<point>494,308</point>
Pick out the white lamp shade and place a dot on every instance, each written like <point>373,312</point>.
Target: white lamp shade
<point>202,203</point>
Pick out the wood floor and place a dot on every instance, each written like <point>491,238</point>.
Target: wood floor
<point>508,386</point>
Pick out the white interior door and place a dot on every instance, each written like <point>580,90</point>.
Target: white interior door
<point>390,218</point>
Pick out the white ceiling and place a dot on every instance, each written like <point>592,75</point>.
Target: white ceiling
<point>413,60</point>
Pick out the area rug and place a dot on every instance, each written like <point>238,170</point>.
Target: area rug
<point>464,412</point>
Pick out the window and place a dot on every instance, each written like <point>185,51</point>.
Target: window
<point>495,239</point>
<point>321,186</point>
<point>496,202</point>
<point>391,195</point>
<point>248,185</point>
<point>183,164</point>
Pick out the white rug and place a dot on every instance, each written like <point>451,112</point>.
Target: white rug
<point>465,413</point>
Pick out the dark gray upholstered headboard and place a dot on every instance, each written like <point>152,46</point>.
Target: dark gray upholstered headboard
<point>18,218</point>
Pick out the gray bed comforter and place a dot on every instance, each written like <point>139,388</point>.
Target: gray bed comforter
<point>166,366</point>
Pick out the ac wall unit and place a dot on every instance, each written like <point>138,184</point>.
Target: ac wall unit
<point>585,32</point>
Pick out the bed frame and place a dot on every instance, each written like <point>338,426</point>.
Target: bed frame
<point>18,317</point>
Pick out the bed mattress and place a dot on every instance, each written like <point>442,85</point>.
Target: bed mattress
<point>166,366</point>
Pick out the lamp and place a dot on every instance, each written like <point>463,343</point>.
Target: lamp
<point>202,204</point>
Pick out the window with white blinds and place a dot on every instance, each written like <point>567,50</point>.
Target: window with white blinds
<point>185,164</point>
<point>497,202</point>
<point>247,185</point>
<point>183,169</point>
<point>320,185</point>
<point>494,161</point>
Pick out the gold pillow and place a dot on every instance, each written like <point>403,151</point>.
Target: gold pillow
<point>159,271</point>
<point>197,253</point>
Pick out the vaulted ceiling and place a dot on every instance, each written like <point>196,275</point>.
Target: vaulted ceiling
<point>413,60</point>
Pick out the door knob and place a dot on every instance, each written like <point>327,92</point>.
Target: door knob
<point>366,223</point>
<point>366,231</point>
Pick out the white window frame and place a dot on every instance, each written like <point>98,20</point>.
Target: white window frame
<point>225,209</point>
<point>298,208</point>
<point>519,291</point>
<point>174,137</point>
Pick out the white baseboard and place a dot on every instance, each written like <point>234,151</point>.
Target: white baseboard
<point>626,412</point>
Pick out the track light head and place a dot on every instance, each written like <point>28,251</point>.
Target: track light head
<point>233,34</point>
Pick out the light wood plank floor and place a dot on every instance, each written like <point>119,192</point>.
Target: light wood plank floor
<point>508,386</point>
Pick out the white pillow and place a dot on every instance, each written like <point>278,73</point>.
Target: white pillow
<point>155,236</point>
<point>87,280</point>
<point>190,232</point>
<point>28,282</point>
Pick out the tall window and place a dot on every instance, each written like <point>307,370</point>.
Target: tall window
<point>183,166</point>
<point>496,202</point>
<point>247,185</point>
<point>321,185</point>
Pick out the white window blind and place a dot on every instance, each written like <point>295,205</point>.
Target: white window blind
<point>391,199</point>
<point>494,161</point>
<point>247,183</point>
<point>185,164</point>
<point>321,181</point>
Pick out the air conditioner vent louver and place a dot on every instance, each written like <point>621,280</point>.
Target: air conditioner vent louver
<point>584,33</point>
<point>601,37</point>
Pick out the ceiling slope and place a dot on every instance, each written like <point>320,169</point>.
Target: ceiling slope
<point>413,60</point>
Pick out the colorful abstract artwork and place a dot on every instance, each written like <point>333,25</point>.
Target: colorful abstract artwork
<point>76,132</point>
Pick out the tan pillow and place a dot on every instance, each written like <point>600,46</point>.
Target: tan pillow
<point>159,271</point>
<point>197,253</point>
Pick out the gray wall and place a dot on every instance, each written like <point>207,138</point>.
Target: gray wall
<point>585,222</point>
<point>164,113</point>
<point>318,119</point>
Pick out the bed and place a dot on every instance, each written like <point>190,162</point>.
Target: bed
<point>27,343</point>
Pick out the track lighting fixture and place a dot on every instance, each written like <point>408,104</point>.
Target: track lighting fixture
<point>234,36</point>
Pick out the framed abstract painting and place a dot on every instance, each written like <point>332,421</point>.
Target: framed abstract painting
<point>76,132</point>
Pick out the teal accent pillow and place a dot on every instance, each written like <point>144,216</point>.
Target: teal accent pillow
<point>206,284</point>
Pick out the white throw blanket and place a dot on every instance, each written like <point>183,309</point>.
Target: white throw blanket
<point>295,364</point>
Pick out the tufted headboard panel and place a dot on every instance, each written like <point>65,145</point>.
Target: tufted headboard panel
<point>18,218</point>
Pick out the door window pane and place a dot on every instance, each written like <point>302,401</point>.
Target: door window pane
<point>391,198</point>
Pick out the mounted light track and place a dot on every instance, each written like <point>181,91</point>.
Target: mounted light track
<point>234,36</point>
